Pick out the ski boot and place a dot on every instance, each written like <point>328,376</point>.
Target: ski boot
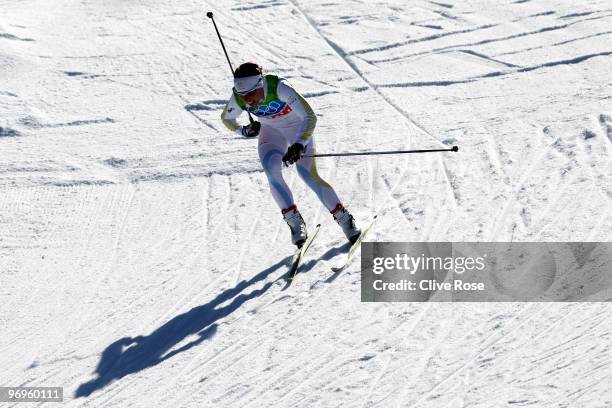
<point>294,219</point>
<point>346,221</point>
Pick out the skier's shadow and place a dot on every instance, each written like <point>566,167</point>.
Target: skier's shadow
<point>132,354</point>
<point>331,253</point>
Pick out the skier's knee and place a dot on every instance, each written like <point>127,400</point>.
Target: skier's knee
<point>311,176</point>
<point>271,160</point>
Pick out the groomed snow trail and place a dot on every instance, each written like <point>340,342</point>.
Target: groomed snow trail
<point>142,257</point>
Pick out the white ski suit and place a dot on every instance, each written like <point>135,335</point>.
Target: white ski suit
<point>285,118</point>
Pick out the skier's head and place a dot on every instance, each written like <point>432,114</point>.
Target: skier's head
<point>248,82</point>
<point>247,69</point>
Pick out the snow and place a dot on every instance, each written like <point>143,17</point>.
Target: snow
<point>142,257</point>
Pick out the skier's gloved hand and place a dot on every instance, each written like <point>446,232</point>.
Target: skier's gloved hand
<point>294,153</point>
<point>251,130</point>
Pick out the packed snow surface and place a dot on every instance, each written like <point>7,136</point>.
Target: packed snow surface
<point>141,254</point>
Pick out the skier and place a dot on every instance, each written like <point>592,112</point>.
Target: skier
<point>285,136</point>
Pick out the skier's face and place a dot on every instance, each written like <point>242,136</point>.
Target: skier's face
<point>253,98</point>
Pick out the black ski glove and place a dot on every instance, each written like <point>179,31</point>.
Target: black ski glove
<point>294,153</point>
<point>251,130</point>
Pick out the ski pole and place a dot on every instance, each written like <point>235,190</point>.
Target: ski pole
<point>210,15</point>
<point>452,149</point>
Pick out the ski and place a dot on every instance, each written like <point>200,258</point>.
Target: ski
<point>353,249</point>
<point>299,254</point>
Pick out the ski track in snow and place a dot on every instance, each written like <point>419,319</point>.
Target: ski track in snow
<point>143,257</point>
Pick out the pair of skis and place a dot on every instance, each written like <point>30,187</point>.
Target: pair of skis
<point>296,261</point>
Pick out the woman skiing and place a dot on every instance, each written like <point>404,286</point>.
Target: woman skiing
<point>285,135</point>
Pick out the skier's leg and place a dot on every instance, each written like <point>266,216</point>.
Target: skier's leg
<point>307,169</point>
<point>272,146</point>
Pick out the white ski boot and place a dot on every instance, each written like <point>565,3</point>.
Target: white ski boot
<point>294,219</point>
<point>346,221</point>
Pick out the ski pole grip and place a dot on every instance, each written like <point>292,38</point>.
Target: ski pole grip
<point>209,14</point>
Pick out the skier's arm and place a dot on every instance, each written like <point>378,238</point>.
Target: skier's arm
<point>302,108</point>
<point>229,115</point>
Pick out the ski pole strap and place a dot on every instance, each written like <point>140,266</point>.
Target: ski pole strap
<point>452,149</point>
